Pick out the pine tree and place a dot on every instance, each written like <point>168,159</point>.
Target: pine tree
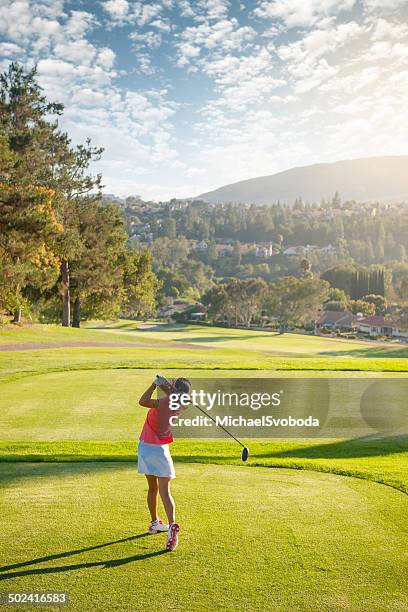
<point>96,273</point>
<point>43,156</point>
<point>140,283</point>
<point>28,226</point>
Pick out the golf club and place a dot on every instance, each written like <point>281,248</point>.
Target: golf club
<point>245,449</point>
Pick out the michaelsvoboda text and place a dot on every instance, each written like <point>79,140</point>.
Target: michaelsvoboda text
<point>240,421</point>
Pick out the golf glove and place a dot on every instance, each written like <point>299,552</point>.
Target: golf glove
<point>159,380</point>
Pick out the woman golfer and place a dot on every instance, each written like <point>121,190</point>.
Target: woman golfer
<point>154,458</point>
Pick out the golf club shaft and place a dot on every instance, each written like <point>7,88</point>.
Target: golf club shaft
<point>218,424</point>
<point>212,418</point>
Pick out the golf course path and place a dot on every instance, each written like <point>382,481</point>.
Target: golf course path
<point>250,539</point>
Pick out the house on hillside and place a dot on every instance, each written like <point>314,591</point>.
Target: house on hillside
<point>223,249</point>
<point>168,312</point>
<point>247,248</point>
<point>379,326</point>
<point>202,246</point>
<point>329,248</point>
<point>374,326</point>
<point>336,319</point>
<point>298,251</point>
<point>264,250</point>
<point>182,312</point>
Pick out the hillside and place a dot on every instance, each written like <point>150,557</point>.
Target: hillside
<point>382,179</point>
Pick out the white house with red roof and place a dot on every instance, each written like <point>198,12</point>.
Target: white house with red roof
<point>379,326</point>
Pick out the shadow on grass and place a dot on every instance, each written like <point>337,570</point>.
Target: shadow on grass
<point>370,353</point>
<point>5,573</point>
<point>221,338</point>
<point>30,468</point>
<point>130,326</point>
<point>167,327</point>
<point>366,446</point>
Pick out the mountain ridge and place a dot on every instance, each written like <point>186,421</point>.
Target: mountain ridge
<point>379,178</point>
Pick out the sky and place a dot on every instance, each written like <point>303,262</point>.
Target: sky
<point>188,95</point>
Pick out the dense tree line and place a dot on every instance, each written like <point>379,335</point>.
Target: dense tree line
<point>289,301</point>
<point>357,233</point>
<point>63,254</point>
<point>356,281</point>
<point>364,237</point>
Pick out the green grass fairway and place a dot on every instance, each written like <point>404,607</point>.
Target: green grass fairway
<point>329,534</point>
<point>198,336</point>
<point>251,539</point>
<point>125,345</point>
<point>251,340</point>
<point>54,334</point>
<point>95,413</point>
<point>90,404</point>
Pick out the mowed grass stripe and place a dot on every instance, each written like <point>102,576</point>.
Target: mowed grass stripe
<point>75,414</point>
<point>382,460</point>
<point>268,342</point>
<point>19,364</point>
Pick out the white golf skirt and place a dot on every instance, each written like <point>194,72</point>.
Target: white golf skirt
<point>155,460</point>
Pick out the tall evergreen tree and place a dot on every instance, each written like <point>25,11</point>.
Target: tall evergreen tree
<point>44,156</point>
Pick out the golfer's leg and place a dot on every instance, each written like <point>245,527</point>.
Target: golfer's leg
<point>168,501</point>
<point>152,496</point>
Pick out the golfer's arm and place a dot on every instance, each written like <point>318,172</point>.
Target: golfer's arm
<point>146,399</point>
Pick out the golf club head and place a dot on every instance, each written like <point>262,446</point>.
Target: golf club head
<point>245,453</point>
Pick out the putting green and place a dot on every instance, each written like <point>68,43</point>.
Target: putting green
<point>251,539</point>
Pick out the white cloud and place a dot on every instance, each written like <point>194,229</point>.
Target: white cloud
<point>58,74</point>
<point>79,23</point>
<point>55,68</point>
<point>121,12</point>
<point>185,8</point>
<point>87,97</point>
<point>384,29</point>
<point>225,35</point>
<point>106,58</point>
<point>373,5</point>
<point>76,51</point>
<point>10,49</point>
<point>233,70</point>
<point>187,52</point>
<point>149,39</point>
<point>117,9</point>
<point>213,9</point>
<point>386,51</point>
<point>145,13</point>
<point>203,10</point>
<point>144,64</point>
<point>274,30</point>
<point>352,83</point>
<point>299,13</point>
<point>318,43</point>
<point>20,21</point>
<point>161,24</point>
<point>304,59</point>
